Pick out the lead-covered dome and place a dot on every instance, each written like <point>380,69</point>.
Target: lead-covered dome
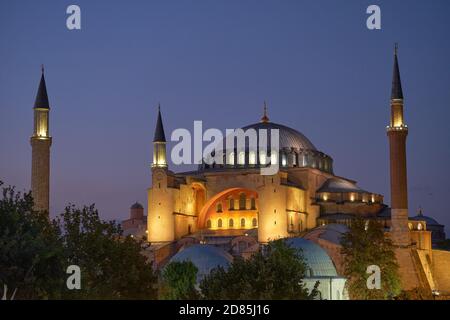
<point>295,150</point>
<point>204,257</point>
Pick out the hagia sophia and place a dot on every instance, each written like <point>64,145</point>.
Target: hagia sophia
<point>221,211</point>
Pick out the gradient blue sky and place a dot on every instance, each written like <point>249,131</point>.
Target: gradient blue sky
<point>315,62</point>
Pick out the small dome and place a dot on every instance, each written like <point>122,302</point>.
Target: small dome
<point>137,205</point>
<point>430,221</point>
<point>339,185</point>
<point>319,263</point>
<point>204,257</point>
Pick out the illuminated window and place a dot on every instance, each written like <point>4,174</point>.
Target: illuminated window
<point>242,223</point>
<point>219,207</point>
<point>273,158</point>
<point>325,197</point>
<point>241,158</point>
<point>262,158</point>
<point>253,203</point>
<point>352,197</point>
<point>231,204</point>
<point>419,226</point>
<point>219,223</point>
<point>254,222</point>
<point>252,158</point>
<point>242,201</point>
<point>231,223</point>
<point>283,160</point>
<point>231,158</point>
<point>208,224</point>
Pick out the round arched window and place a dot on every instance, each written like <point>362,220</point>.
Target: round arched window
<point>219,223</point>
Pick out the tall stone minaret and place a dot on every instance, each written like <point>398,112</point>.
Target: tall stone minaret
<point>40,145</point>
<point>397,132</point>
<point>160,217</point>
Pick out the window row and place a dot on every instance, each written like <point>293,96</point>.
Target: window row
<point>242,204</point>
<point>231,224</point>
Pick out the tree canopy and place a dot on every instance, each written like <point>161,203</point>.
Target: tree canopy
<point>36,251</point>
<point>365,244</point>
<point>277,273</point>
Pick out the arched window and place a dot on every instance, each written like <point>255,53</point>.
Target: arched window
<point>208,224</point>
<point>219,223</point>
<point>253,203</point>
<point>262,158</point>
<point>219,207</point>
<point>231,158</point>
<point>254,222</point>
<point>242,223</point>
<point>242,201</point>
<point>241,158</point>
<point>283,160</point>
<point>273,158</point>
<point>231,207</point>
<point>294,159</point>
<point>252,158</point>
<point>231,223</point>
<point>419,226</point>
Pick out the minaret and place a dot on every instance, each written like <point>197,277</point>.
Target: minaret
<point>40,146</point>
<point>159,144</point>
<point>397,132</point>
<point>161,199</point>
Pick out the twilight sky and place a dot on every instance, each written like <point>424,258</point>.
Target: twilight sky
<point>315,62</point>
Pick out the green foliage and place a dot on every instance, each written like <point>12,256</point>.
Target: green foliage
<point>365,245</point>
<point>112,267</point>
<point>35,253</point>
<point>276,274</point>
<point>179,279</point>
<point>30,250</point>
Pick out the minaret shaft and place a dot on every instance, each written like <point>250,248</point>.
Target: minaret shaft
<point>40,154</point>
<point>397,132</point>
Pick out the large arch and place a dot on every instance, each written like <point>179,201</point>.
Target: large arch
<point>223,197</point>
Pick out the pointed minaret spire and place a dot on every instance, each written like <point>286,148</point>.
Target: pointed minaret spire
<point>159,144</point>
<point>41,96</point>
<point>397,92</point>
<point>265,118</point>
<point>159,130</point>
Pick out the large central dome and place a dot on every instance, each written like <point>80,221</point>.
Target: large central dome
<point>295,150</point>
<point>289,138</point>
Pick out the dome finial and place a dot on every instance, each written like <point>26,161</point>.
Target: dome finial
<point>42,68</point>
<point>265,118</point>
<point>420,211</point>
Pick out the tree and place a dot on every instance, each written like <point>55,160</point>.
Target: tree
<point>179,279</point>
<point>112,266</point>
<point>35,253</point>
<point>365,244</point>
<point>277,273</point>
<point>30,251</point>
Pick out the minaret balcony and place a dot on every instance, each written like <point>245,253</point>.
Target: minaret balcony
<point>402,127</point>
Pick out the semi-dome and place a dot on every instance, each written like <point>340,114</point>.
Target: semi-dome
<point>204,257</point>
<point>318,261</point>
<point>295,150</point>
